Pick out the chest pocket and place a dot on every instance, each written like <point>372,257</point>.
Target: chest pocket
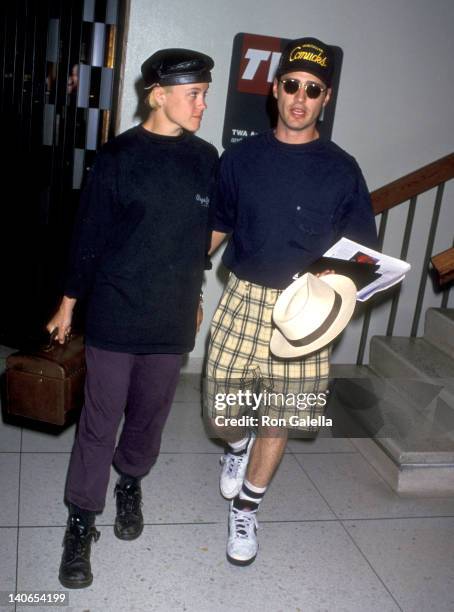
<point>312,230</point>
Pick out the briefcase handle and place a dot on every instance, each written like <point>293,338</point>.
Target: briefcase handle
<point>52,340</point>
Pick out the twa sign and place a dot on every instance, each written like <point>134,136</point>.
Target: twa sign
<point>250,106</point>
<point>259,59</point>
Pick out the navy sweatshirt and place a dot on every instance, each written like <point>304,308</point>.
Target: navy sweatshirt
<point>285,205</point>
<point>140,240</point>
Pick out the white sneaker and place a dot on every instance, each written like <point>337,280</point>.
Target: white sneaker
<point>242,545</point>
<point>234,470</point>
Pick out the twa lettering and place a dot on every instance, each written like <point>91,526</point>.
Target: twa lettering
<point>255,57</point>
<point>258,62</point>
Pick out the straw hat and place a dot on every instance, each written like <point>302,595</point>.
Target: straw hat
<point>310,313</point>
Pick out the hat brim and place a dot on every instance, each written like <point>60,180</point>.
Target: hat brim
<point>346,288</point>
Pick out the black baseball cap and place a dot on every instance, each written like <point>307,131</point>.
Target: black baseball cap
<point>176,67</point>
<point>307,55</point>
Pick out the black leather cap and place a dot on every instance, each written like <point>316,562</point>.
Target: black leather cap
<point>176,67</point>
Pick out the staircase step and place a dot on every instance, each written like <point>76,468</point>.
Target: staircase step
<point>379,410</point>
<point>439,329</point>
<point>407,479</point>
<point>412,449</point>
<point>419,370</point>
<point>403,403</point>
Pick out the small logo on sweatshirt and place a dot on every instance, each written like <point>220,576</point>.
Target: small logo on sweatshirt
<point>203,201</point>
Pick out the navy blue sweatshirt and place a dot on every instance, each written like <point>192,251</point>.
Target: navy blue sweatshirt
<point>285,205</point>
<point>140,241</point>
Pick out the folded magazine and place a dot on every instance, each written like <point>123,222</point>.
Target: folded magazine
<point>370,270</point>
<point>390,270</point>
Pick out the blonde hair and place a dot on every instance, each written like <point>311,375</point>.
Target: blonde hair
<point>151,97</point>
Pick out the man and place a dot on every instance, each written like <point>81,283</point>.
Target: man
<point>138,257</point>
<point>285,196</point>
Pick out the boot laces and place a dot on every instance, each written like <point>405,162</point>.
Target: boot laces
<point>129,500</point>
<point>78,537</point>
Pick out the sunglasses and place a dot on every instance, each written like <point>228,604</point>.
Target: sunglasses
<point>313,90</point>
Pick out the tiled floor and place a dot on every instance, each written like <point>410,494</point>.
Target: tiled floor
<point>333,536</point>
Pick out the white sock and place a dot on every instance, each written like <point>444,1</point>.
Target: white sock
<point>252,494</point>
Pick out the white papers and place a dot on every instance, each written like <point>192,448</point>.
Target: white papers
<point>391,269</point>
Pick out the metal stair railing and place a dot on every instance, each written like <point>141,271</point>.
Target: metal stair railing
<point>409,187</point>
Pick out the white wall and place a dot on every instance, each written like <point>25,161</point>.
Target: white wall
<point>394,109</point>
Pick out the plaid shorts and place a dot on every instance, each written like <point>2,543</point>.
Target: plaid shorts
<point>244,378</point>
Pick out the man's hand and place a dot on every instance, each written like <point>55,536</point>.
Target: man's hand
<point>199,316</point>
<point>62,319</point>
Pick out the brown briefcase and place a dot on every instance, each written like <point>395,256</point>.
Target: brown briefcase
<point>47,385</point>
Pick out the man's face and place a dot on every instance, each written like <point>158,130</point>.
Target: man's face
<point>183,105</point>
<point>298,112</point>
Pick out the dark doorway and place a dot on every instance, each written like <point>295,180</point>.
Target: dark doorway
<point>61,74</point>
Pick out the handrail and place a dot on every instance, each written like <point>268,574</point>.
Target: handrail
<point>443,264</point>
<point>413,184</point>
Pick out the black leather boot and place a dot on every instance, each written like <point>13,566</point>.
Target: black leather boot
<point>75,569</point>
<point>129,519</point>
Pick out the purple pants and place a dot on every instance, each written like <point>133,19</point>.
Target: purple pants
<point>142,388</point>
